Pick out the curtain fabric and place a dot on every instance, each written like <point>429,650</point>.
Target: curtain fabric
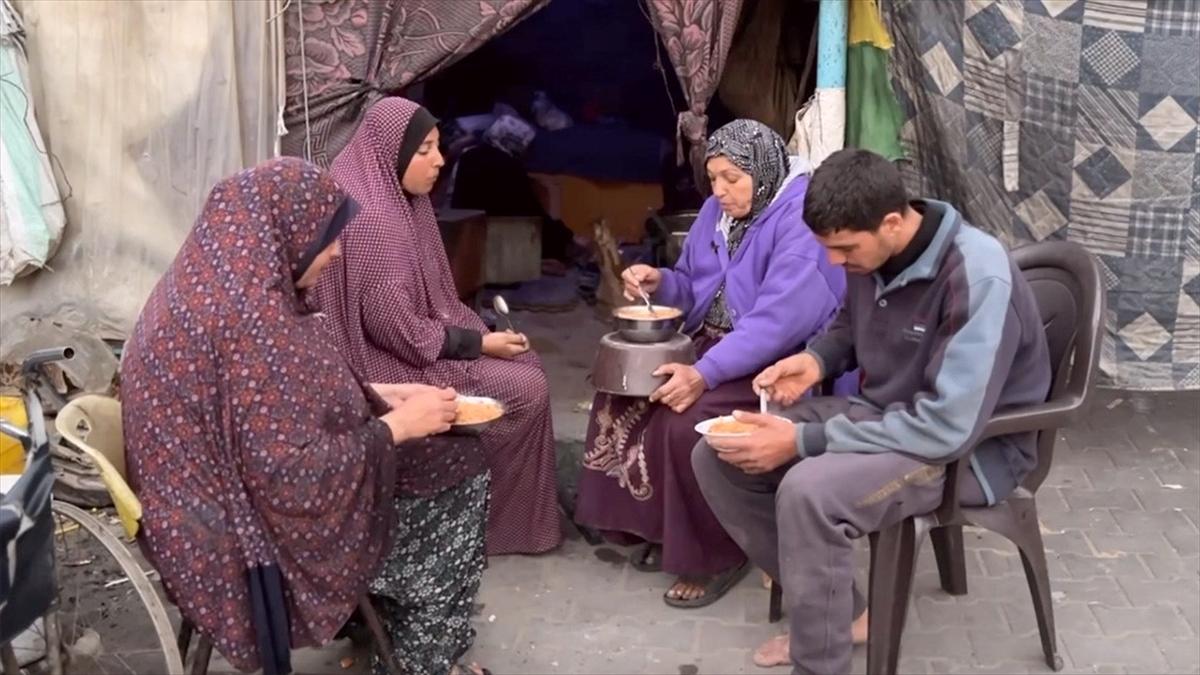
<point>771,63</point>
<point>697,35</point>
<point>873,114</point>
<point>343,55</point>
<point>1071,120</point>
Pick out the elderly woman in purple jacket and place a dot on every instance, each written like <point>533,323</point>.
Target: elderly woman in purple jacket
<point>755,285</point>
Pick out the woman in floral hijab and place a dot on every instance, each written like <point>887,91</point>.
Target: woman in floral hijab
<point>269,474</point>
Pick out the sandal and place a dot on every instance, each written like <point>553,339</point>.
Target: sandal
<point>648,558</point>
<point>717,586</point>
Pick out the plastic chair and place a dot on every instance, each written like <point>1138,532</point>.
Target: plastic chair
<point>1066,281</point>
<point>1070,294</point>
<point>93,424</point>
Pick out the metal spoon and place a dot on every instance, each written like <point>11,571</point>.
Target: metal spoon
<point>646,299</point>
<point>501,308</point>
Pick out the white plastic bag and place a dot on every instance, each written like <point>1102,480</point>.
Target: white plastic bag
<point>31,212</point>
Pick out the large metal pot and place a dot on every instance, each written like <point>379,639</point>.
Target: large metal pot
<point>636,324</point>
<point>625,368</point>
<point>674,247</point>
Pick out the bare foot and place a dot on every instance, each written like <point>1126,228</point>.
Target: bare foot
<point>683,589</point>
<point>473,669</point>
<point>773,652</point>
<point>767,581</point>
<point>858,629</point>
<point>776,652</point>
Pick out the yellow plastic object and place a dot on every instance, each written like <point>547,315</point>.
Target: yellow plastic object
<point>12,455</point>
<point>93,424</point>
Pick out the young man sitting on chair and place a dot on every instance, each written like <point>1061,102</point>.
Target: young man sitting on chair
<point>946,331</point>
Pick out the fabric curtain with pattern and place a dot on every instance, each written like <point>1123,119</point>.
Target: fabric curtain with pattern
<point>697,34</point>
<point>343,55</point>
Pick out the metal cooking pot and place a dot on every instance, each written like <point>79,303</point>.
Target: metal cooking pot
<point>649,329</point>
<point>624,368</point>
<point>674,247</point>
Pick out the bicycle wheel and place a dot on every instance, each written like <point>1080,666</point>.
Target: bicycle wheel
<point>109,617</point>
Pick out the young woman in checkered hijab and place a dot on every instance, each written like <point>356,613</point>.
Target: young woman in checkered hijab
<point>391,304</point>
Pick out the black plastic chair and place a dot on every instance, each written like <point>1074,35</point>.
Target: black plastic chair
<point>1066,281</point>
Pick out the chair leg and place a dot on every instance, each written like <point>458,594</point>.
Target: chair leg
<point>775,608</point>
<point>383,642</point>
<point>1034,560</point>
<point>202,657</point>
<point>893,562</point>
<point>951,558</point>
<point>184,640</point>
<point>1017,521</point>
<point>1037,575</point>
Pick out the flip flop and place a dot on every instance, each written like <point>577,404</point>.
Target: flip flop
<point>648,558</point>
<point>716,587</point>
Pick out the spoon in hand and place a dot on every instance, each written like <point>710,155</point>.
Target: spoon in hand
<point>501,308</point>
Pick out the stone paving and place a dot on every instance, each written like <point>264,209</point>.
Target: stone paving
<point>1119,516</point>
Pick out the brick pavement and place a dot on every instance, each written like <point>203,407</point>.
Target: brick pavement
<point>1119,515</point>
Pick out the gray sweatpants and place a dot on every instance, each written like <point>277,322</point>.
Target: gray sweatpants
<point>798,524</point>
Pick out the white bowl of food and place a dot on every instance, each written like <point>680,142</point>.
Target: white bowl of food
<point>725,426</point>
<point>476,413</point>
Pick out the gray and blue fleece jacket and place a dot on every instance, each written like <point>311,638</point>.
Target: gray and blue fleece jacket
<point>952,338</point>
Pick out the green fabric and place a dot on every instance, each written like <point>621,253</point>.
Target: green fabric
<point>873,115</point>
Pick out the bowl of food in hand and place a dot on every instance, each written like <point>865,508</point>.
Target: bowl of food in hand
<point>476,413</point>
<point>647,324</point>
<point>725,426</point>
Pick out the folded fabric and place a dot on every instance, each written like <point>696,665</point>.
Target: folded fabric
<point>510,134</point>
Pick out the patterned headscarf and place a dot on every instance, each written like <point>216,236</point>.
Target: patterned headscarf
<point>756,149</point>
<point>250,442</point>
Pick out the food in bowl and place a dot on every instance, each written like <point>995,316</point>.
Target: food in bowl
<point>729,426</point>
<point>476,412</point>
<point>642,312</point>
<point>726,426</point>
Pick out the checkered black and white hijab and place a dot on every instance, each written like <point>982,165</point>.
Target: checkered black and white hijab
<point>756,149</point>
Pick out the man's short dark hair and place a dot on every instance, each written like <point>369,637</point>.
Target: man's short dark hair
<point>853,190</point>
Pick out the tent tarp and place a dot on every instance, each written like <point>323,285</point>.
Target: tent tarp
<point>31,212</point>
<point>145,105</point>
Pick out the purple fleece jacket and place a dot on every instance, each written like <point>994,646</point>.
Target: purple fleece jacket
<point>780,288</point>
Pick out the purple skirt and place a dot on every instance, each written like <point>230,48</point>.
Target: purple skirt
<point>637,483</point>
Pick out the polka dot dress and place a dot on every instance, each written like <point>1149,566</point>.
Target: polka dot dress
<point>388,300</point>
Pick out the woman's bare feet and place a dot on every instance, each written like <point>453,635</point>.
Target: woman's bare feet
<point>775,652</point>
<point>767,581</point>
<point>683,589</point>
<point>473,669</point>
